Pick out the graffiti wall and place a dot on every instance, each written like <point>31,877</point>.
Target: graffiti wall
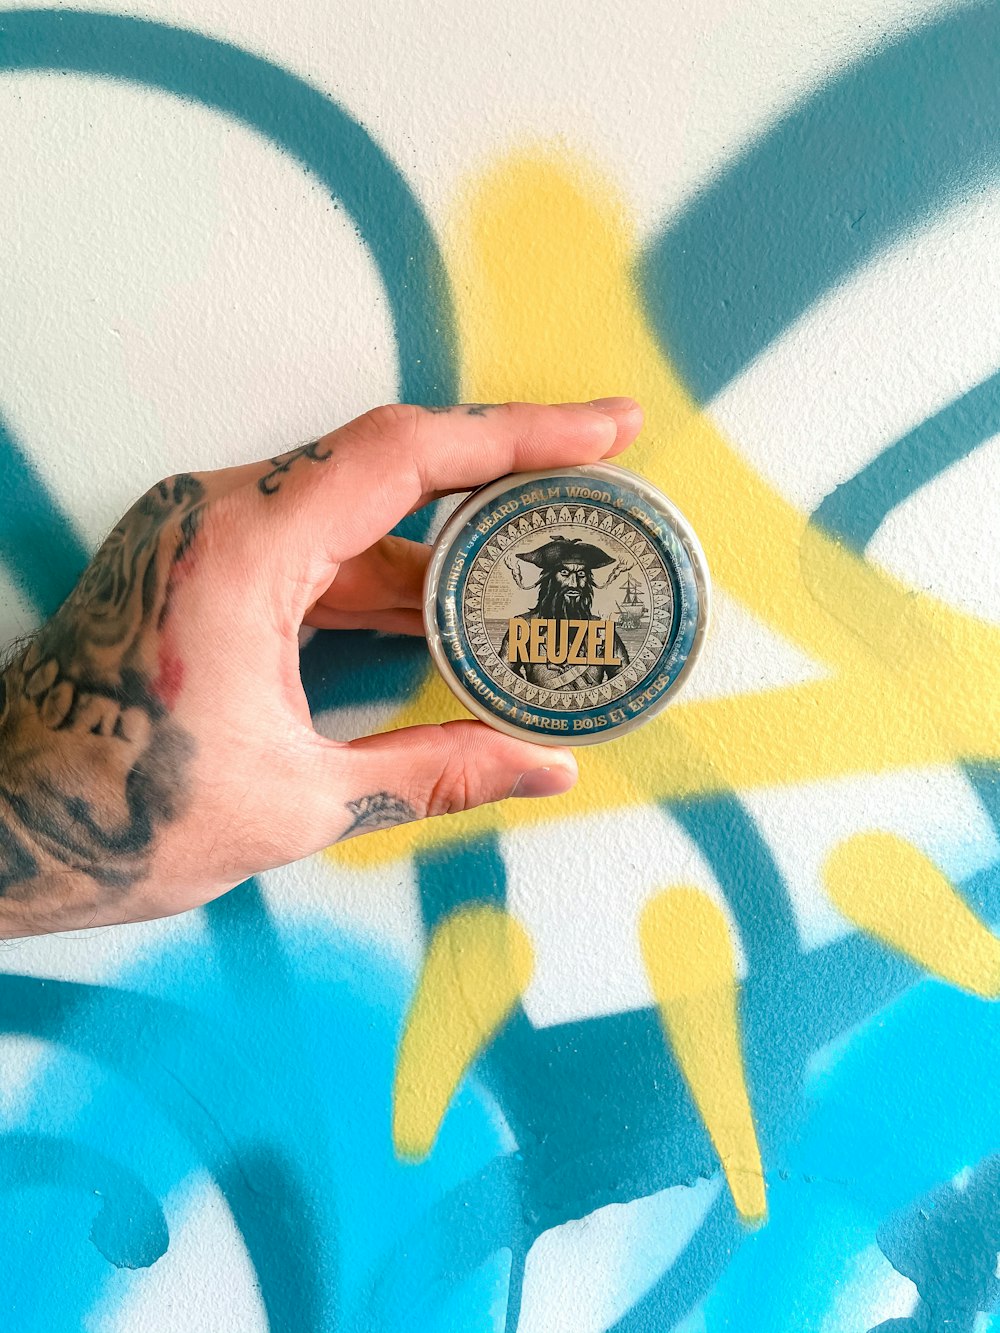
<point>708,1043</point>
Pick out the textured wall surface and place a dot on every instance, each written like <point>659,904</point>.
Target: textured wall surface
<point>711,1043</point>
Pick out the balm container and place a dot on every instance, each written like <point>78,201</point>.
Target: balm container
<point>566,607</point>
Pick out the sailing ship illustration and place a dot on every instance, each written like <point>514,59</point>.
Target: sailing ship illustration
<point>631,608</point>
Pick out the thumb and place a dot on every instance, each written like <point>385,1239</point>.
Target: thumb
<point>439,770</point>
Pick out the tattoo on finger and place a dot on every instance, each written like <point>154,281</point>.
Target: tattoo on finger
<point>469,409</point>
<point>314,452</point>
<point>380,810</point>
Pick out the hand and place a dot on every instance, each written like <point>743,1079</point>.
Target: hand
<point>156,746</point>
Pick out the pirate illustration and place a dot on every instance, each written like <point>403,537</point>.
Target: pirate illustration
<point>565,608</point>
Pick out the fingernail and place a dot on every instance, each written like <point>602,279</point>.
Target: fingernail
<point>544,782</point>
<point>613,404</point>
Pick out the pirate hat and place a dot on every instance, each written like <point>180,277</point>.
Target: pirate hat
<point>558,550</point>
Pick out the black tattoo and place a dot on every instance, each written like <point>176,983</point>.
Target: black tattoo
<point>378,811</point>
<point>271,481</point>
<point>470,409</point>
<point>91,762</point>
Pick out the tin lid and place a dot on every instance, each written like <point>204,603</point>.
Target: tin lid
<point>566,607</point>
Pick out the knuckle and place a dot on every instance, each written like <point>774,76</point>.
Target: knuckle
<point>391,430</point>
<point>452,790</point>
<point>397,421</point>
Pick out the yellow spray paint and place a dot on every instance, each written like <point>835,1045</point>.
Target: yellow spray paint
<point>689,960</point>
<point>478,964</point>
<point>892,891</point>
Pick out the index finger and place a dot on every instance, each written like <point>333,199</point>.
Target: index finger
<point>375,470</point>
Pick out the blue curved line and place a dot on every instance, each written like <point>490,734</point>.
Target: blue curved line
<point>454,1237</point>
<point>689,1278</point>
<point>297,118</point>
<point>240,928</point>
<point>985,780</point>
<point>452,873</point>
<point>129,1230</point>
<point>39,544</point>
<point>747,874</point>
<point>855,509</point>
<point>855,166</point>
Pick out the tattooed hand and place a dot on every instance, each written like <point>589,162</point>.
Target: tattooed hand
<point>155,742</point>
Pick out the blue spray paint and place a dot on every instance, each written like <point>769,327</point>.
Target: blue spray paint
<point>297,119</point>
<point>862,161</point>
<point>855,510</point>
<point>277,1092</point>
<point>40,547</point>
<point>129,1228</point>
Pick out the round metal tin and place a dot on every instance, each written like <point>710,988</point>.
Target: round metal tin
<point>566,607</point>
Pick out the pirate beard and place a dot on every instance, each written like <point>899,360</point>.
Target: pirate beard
<point>556,603</point>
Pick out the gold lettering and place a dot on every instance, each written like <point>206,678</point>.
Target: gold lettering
<point>517,640</point>
<point>579,628</point>
<point>557,640</point>
<point>592,645</point>
<point>609,644</point>
<point>570,642</point>
<point>536,651</point>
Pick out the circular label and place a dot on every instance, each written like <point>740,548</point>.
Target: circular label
<point>567,605</point>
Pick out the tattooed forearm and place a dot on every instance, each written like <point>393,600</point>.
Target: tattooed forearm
<point>379,810</point>
<point>91,763</point>
<point>315,452</point>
